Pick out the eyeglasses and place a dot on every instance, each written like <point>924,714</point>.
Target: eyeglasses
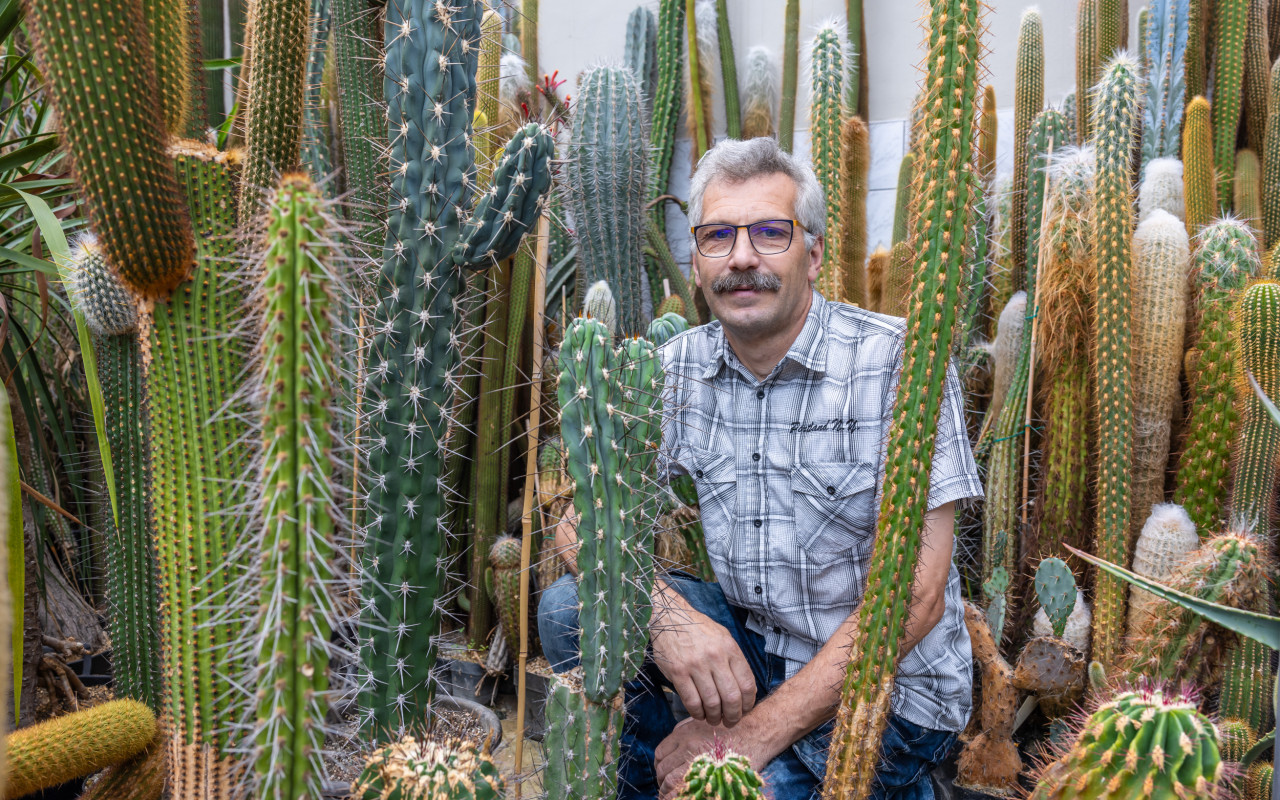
<point>769,237</point>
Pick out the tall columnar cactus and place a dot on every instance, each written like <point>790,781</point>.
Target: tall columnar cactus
<point>1157,319</point>
<point>760,94</point>
<point>728,72</point>
<point>945,213</point>
<point>1257,74</point>
<point>1226,259</point>
<point>1162,188</point>
<point>300,512</point>
<point>98,73</point>
<point>1111,22</point>
<point>877,266</point>
<point>1165,57</point>
<point>988,130</point>
<point>1117,116</point>
<point>666,102</point>
<point>1230,569</point>
<point>721,775</point>
<point>790,68</point>
<point>488,85</point>
<point>1248,681</point>
<point>640,52</point>
<point>855,161</point>
<point>1257,321</point>
<point>896,284</point>
<point>700,23</point>
<point>277,69</point>
<point>1145,743</point>
<point>1230,22</point>
<point>1167,540</point>
<point>504,584</point>
<point>134,613</point>
<point>359,66</point>
<point>1010,325</point>
<point>1248,191</point>
<point>428,770</point>
<point>606,174</point>
<point>72,746</point>
<point>1088,67</point>
<point>1197,39</point>
<point>1050,131</point>
<point>169,23</point>
<point>582,738</point>
<point>317,154</point>
<point>431,61</point>
<point>902,198</point>
<point>1028,100</point>
<point>1200,189</point>
<point>827,67</point>
<point>1271,162</point>
<point>199,458</point>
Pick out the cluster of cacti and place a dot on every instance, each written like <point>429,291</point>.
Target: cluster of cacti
<point>721,775</point>
<point>1143,743</point>
<point>410,769</point>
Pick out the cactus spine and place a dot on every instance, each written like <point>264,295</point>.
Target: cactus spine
<point>112,317</point>
<point>641,50</point>
<point>1028,100</point>
<point>1165,59</point>
<point>824,130</point>
<point>1157,319</point>
<point>760,94</point>
<point>277,67</point>
<point>1230,22</point>
<point>1088,67</point>
<point>1200,190</point>
<point>666,102</point>
<point>411,354</point>
<point>606,173</point>
<point>427,770</point>
<point>722,775</point>
<point>98,73</point>
<point>855,161</point>
<point>1226,258</point>
<point>1117,115</point>
<point>299,511</point>
<point>728,72</point>
<point>1141,744</point>
<point>1271,162</point>
<point>938,242</point>
<point>790,67</point>
<point>1248,191</point>
<point>74,745</point>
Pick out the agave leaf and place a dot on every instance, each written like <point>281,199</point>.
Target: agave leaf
<point>1266,401</point>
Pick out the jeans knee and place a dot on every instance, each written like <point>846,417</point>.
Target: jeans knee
<point>558,623</point>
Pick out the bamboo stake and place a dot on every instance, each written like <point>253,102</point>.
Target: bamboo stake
<point>537,307</point>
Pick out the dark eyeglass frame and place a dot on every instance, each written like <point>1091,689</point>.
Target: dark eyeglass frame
<point>795,223</point>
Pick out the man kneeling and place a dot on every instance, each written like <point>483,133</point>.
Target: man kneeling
<point>779,411</point>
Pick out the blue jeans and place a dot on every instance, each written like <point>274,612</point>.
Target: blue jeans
<point>908,753</point>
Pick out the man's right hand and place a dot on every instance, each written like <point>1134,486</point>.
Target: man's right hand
<point>702,661</point>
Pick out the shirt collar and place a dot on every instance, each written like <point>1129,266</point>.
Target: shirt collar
<point>809,350</point>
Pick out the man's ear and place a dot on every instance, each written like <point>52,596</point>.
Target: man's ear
<point>697,278</point>
<point>815,258</point>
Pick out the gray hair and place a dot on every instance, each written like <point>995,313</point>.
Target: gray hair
<point>737,161</point>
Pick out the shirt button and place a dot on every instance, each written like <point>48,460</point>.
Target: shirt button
<point>698,474</point>
<point>760,394</point>
<point>831,490</point>
<point>759,522</point>
<point>759,590</point>
<point>755,456</point>
<point>777,629</point>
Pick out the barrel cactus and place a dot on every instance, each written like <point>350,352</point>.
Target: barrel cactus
<point>721,775</point>
<point>426,770</point>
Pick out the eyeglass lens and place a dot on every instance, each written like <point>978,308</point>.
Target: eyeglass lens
<point>768,238</point>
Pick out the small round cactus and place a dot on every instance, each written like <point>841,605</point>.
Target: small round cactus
<point>721,775</point>
<point>108,308</point>
<point>666,327</point>
<point>424,770</point>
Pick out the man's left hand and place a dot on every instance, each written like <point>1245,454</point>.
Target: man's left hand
<point>693,737</point>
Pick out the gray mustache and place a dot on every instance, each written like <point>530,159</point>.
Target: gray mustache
<point>759,281</point>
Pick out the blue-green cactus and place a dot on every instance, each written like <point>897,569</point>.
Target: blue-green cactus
<point>582,742</point>
<point>1056,590</point>
<point>641,50</point>
<point>665,328</point>
<point>513,202</point>
<point>1165,60</point>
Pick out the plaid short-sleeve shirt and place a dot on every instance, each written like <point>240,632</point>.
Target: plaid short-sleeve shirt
<point>788,471</point>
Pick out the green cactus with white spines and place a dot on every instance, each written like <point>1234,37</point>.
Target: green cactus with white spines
<point>1226,258</point>
<point>95,59</point>
<point>1164,56</point>
<point>938,242</point>
<point>510,206</point>
<point>606,176</point>
<point>428,770</point>
<point>1028,102</point>
<point>760,94</point>
<point>1200,188</point>
<point>1117,119</point>
<point>827,67</point>
<point>667,99</point>
<point>582,739</point>
<point>790,71</point>
<point>1271,162</point>
<point>1229,25</point>
<point>1230,569</point>
<point>300,516</point>
<point>277,69</point>
<point>640,52</point>
<point>721,775</point>
<point>1157,318</point>
<point>1141,744</point>
<point>134,614</point>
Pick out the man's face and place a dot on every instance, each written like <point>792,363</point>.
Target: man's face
<point>737,285</point>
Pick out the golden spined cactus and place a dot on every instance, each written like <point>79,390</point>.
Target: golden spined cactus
<point>1088,67</point>
<point>896,286</point>
<point>855,161</point>
<point>827,68</point>
<point>64,748</point>
<point>1167,540</point>
<point>1162,189</point>
<point>988,127</point>
<point>1257,74</point>
<point>877,266</point>
<point>100,76</point>
<point>1230,22</point>
<point>1028,101</point>
<point>1199,188</point>
<point>1158,318</point>
<point>1248,191</point>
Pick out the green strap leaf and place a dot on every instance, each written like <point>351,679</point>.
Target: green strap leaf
<point>51,230</point>
<point>14,551</point>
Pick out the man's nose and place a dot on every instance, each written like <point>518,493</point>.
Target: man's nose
<point>743,255</point>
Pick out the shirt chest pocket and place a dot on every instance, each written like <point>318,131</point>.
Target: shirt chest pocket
<point>834,505</point>
<point>716,476</point>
